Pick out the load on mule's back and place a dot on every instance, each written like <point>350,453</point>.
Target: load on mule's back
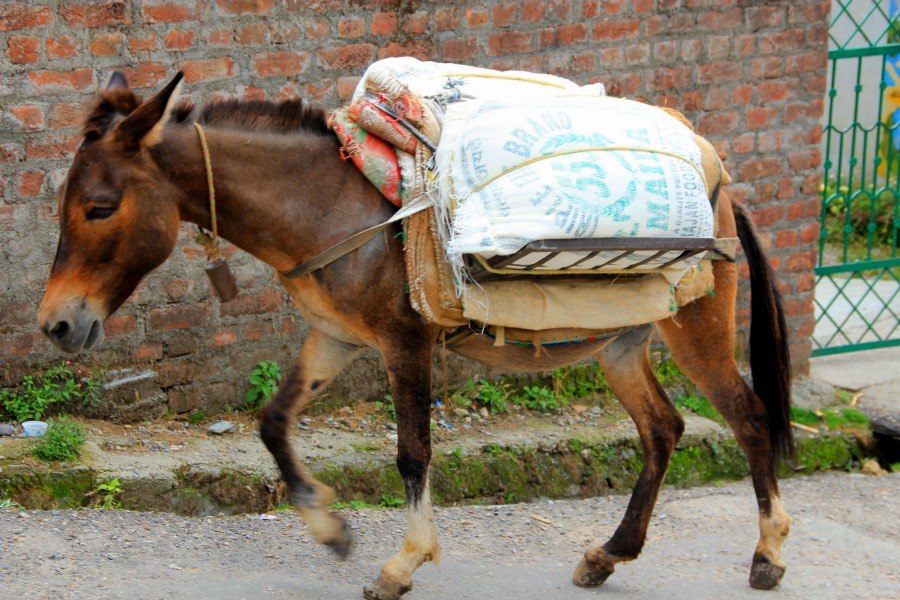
<point>278,171</point>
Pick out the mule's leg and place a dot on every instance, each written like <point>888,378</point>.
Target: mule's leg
<point>320,360</point>
<point>702,345</point>
<point>626,362</point>
<point>409,371</point>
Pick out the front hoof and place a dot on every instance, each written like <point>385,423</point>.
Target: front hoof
<point>342,540</point>
<point>385,589</point>
<point>764,575</point>
<point>593,572</point>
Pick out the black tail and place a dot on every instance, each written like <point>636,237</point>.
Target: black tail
<point>770,360</point>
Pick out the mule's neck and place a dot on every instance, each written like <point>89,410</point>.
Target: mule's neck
<point>281,197</point>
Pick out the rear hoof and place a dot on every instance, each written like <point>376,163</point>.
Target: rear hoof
<point>342,541</point>
<point>386,589</point>
<point>764,575</point>
<point>593,570</point>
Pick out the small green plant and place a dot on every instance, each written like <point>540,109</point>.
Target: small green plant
<point>579,381</point>
<point>58,385</point>
<point>493,449</point>
<point>197,416</point>
<point>482,392</point>
<point>895,468</point>
<point>539,398</point>
<point>7,503</point>
<point>700,406</point>
<point>263,380</point>
<point>62,441</point>
<point>387,406</point>
<point>352,505</point>
<point>108,494</point>
<point>391,502</point>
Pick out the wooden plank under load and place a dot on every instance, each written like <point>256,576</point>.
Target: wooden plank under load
<point>582,252</point>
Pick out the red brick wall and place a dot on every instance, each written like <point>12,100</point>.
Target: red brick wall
<point>751,75</point>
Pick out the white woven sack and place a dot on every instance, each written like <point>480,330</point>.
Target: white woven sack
<point>567,166</point>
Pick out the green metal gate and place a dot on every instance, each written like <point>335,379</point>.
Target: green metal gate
<point>857,298</point>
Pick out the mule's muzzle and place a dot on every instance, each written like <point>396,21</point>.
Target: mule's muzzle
<point>73,330</point>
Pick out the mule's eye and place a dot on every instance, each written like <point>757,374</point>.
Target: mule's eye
<point>100,212</point>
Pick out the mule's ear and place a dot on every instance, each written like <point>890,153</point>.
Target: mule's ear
<point>145,124</point>
<point>117,81</point>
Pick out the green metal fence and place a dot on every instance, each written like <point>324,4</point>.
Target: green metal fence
<point>857,297</point>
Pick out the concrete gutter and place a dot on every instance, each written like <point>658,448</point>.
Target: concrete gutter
<point>523,457</point>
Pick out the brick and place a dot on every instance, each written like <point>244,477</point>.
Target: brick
<point>721,20</point>
<point>178,317</point>
<point>563,35</point>
<point>246,7</point>
<point>532,11</point>
<point>281,64</point>
<point>213,69</point>
<point>24,344</point>
<point>767,67</point>
<point>141,41</point>
<point>637,54</point>
<point>753,170</point>
<point>60,146</point>
<point>808,62</point>
<point>805,282</point>
<point>662,25</point>
<point>282,33</point>
<point>322,92</point>
<point>763,17</point>
<point>786,238</point>
<point>691,101</point>
<point>146,75</point>
<point>804,160</point>
<point>805,209</point>
<point>105,44</point>
<point>799,110</point>
<point>810,233</point>
<point>179,40</point>
<point>505,14</point>
<point>384,24</point>
<point>718,47</point>
<point>616,30</point>
<point>805,260</point>
<point>30,183</point>
<point>29,118</point>
<point>252,35</point>
<point>415,23</point>
<point>352,56</point>
<point>9,154</point>
<point>184,399</point>
<point>742,95</point>
<point>476,17</point>
<point>119,326</point>
<point>459,49</point>
<point>24,49</point>
<point>762,117</point>
<point>669,78</point>
<point>744,144</point>
<point>716,99</point>
<point>509,42</point>
<point>225,337</point>
<point>766,217</point>
<point>445,19</point>
<point>256,330</point>
<point>775,91</point>
<point>559,9</point>
<point>61,47</point>
<point>55,82</point>
<point>174,11</point>
<point>253,304</point>
<point>352,27</point>
<point>421,49</point>
<point>691,50</point>
<point>785,189</point>
<point>94,14</point>
<point>717,73</point>
<point>18,15</point>
<point>346,86</point>
<point>181,343</point>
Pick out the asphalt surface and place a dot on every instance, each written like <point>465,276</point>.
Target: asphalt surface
<point>845,543</point>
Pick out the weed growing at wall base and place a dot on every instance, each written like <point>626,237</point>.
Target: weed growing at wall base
<point>62,441</point>
<point>58,385</point>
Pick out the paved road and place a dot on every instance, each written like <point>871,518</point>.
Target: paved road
<point>845,543</point>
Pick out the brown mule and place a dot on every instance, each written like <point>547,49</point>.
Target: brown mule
<point>284,194</point>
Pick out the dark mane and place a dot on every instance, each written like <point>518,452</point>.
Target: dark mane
<point>265,115</point>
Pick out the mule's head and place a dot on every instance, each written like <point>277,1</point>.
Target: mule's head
<point>118,218</point>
